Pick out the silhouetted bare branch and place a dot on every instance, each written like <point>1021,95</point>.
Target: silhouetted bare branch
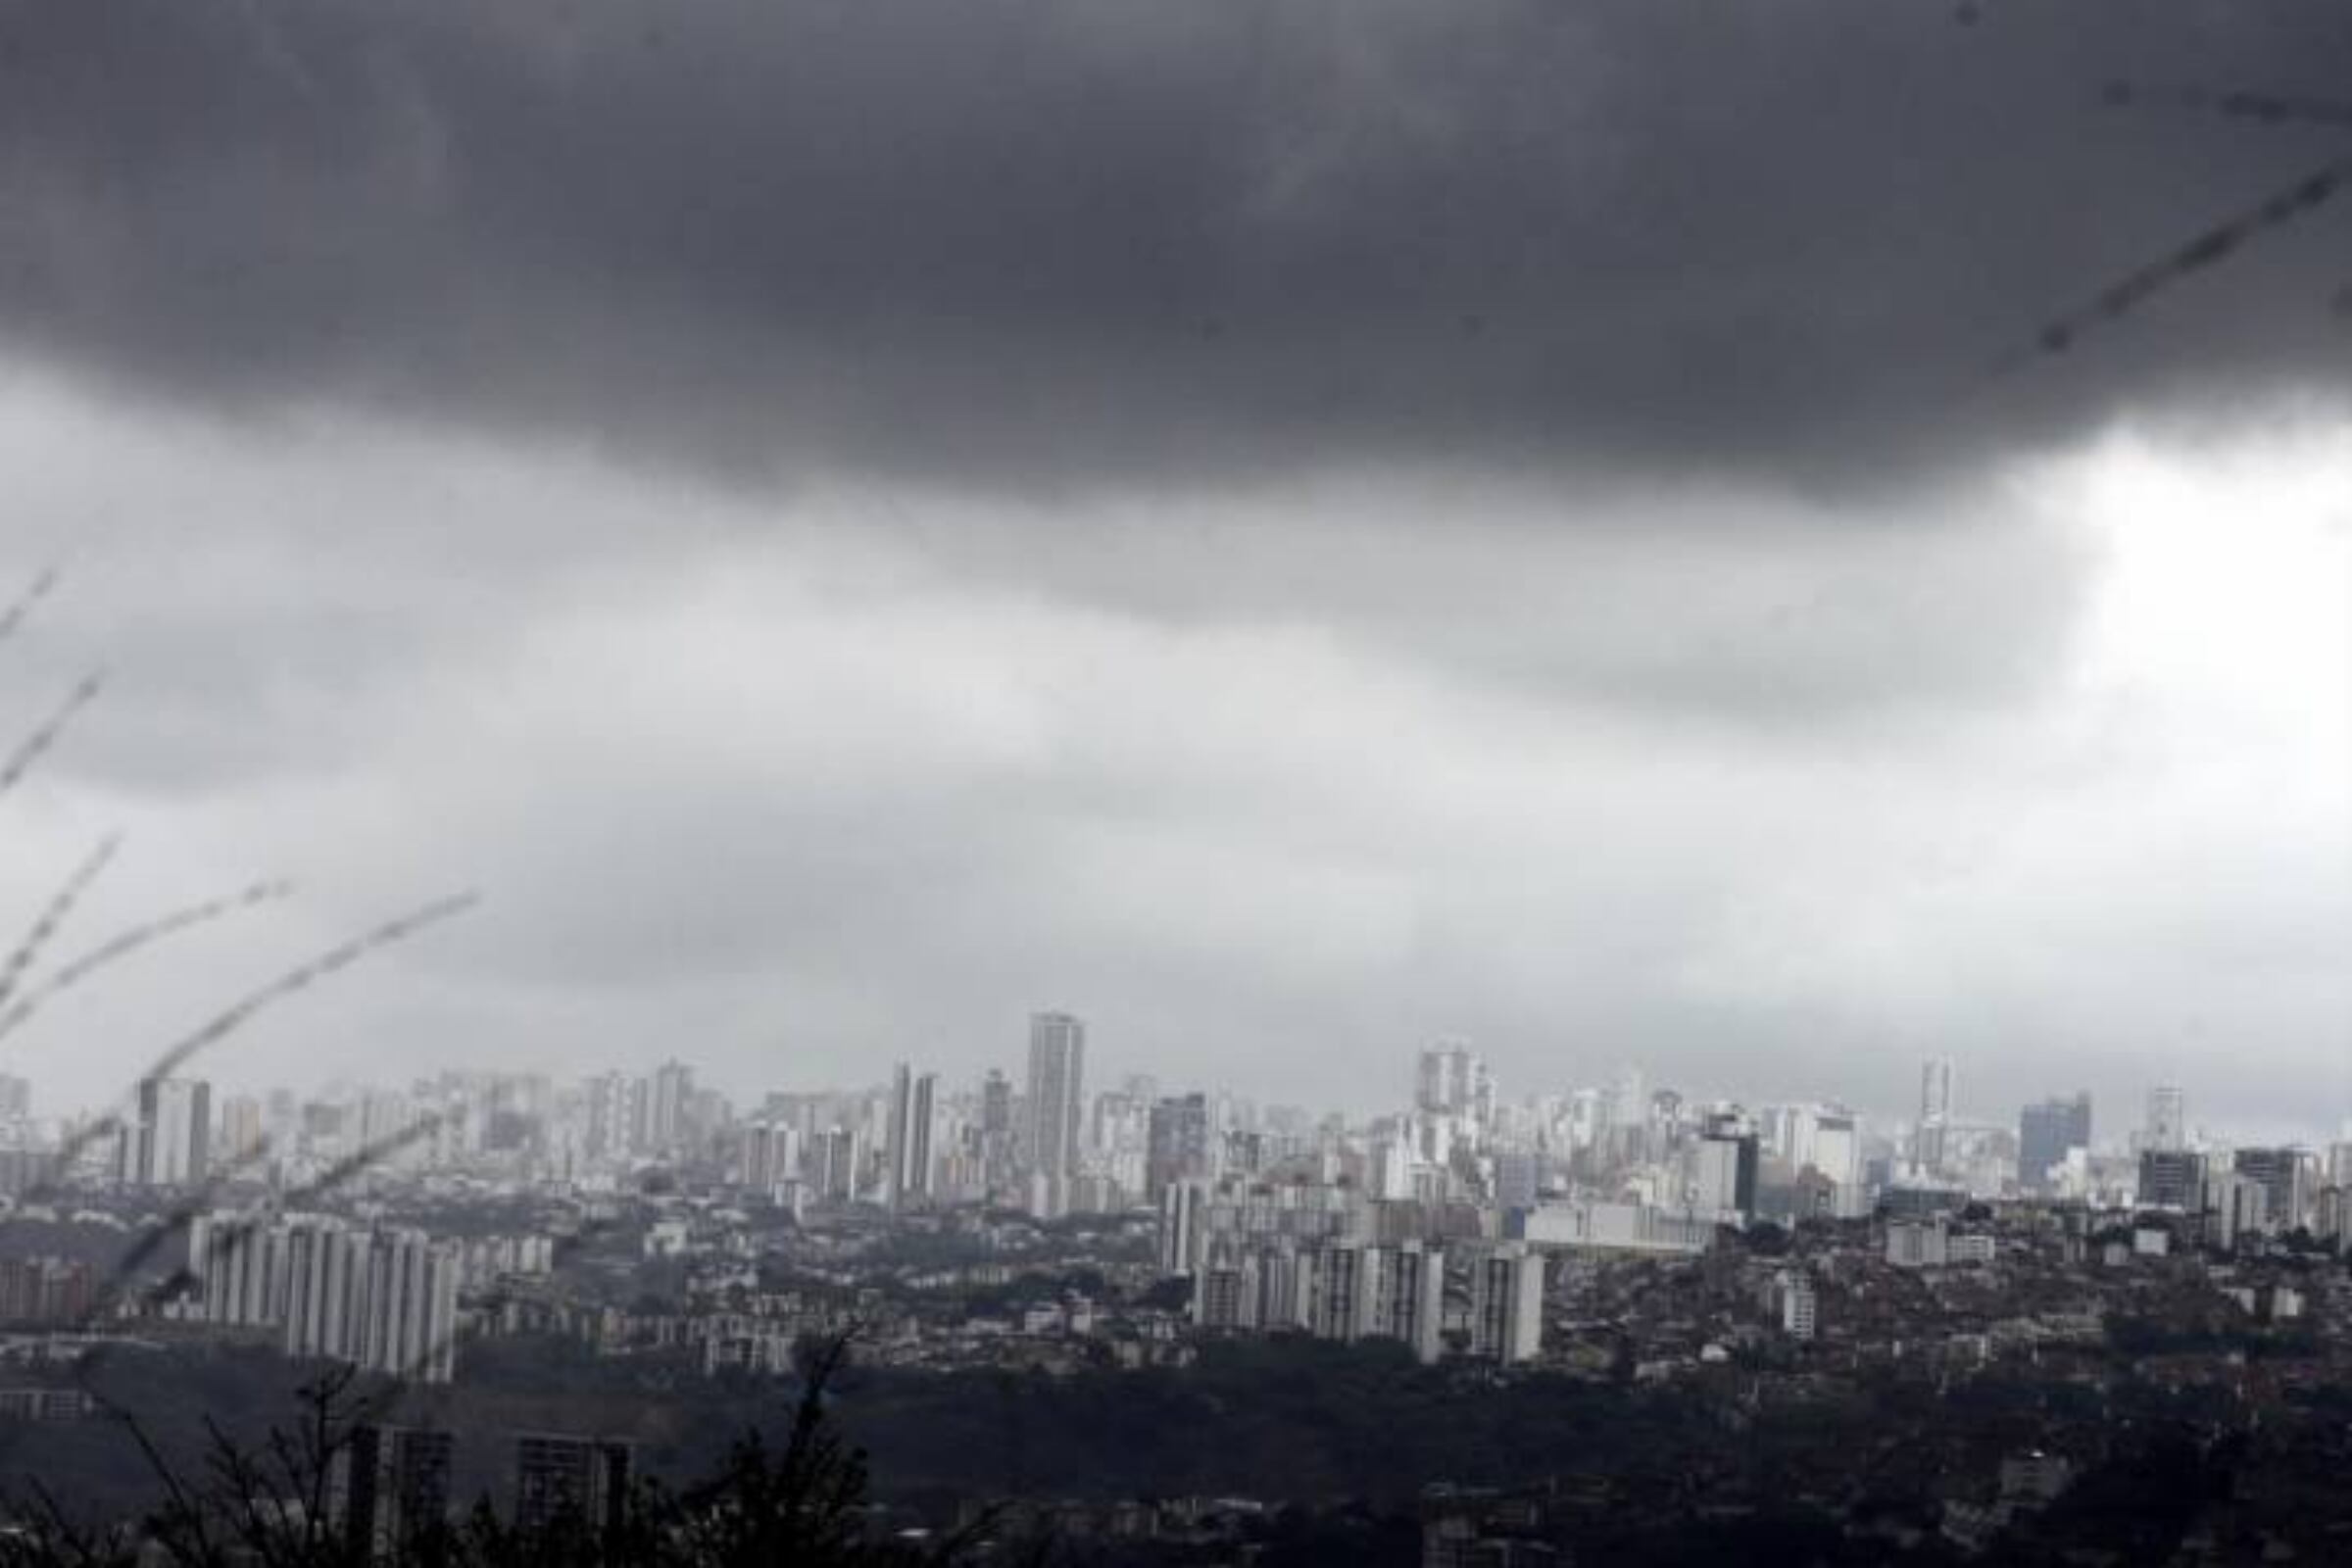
<point>127,943</point>
<point>54,914</point>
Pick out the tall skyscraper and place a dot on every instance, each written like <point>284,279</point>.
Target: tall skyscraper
<point>910,1135</point>
<point>1057,1082</point>
<point>770,1154</point>
<point>1178,1144</point>
<point>169,1145</point>
<point>1935,1113</point>
<point>2046,1132</point>
<point>613,1099</point>
<point>668,1108</point>
<point>996,1131</point>
<point>2168,1119</point>
<point>836,1157</point>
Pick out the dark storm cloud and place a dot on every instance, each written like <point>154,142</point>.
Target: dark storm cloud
<point>1031,243</point>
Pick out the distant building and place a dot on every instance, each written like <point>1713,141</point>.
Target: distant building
<point>2045,1134</point>
<point>1486,1527</point>
<point>615,1123</point>
<point>1345,1288</point>
<point>44,1292</point>
<point>768,1155</point>
<point>393,1485</point>
<point>2168,1178</point>
<point>1518,1179</point>
<point>997,1131</point>
<point>910,1135</point>
<point>838,1156</point>
<point>1722,1167</point>
<point>1835,1153</point>
<point>242,1141</point>
<point>1177,1145</point>
<point>2167,1130</point>
<point>384,1299</point>
<point>1935,1114</point>
<point>1057,1087</point>
<point>1933,1243</point>
<point>2285,1175</point>
<point>1921,1200</point>
<point>667,1109</point>
<point>1222,1295</point>
<point>1454,1080</point>
<point>559,1476</point>
<point>170,1142</point>
<point>1797,1304</point>
<point>1589,1224</point>
<point>2235,1205</point>
<point>1410,1303</point>
<point>1506,1303</point>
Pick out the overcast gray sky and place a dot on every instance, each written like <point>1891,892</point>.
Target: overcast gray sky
<point>1286,529</point>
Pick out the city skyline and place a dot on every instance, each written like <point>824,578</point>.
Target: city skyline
<point>2146,1100</point>
<point>905,1146</point>
<point>1289,782</point>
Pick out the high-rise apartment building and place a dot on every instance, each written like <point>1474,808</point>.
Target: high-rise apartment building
<point>1410,1300</point>
<point>2168,1118</point>
<point>1935,1114</point>
<point>1345,1290</point>
<point>614,1106</point>
<point>768,1155</point>
<point>667,1109</point>
<point>838,1151</point>
<point>910,1135</point>
<point>169,1143</point>
<point>1506,1303</point>
<point>385,1299</point>
<point>1454,1080</point>
<point>2235,1204</point>
<point>997,1133</point>
<point>241,1263</point>
<point>242,1140</point>
<point>1057,1085</point>
<point>1177,1145</point>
